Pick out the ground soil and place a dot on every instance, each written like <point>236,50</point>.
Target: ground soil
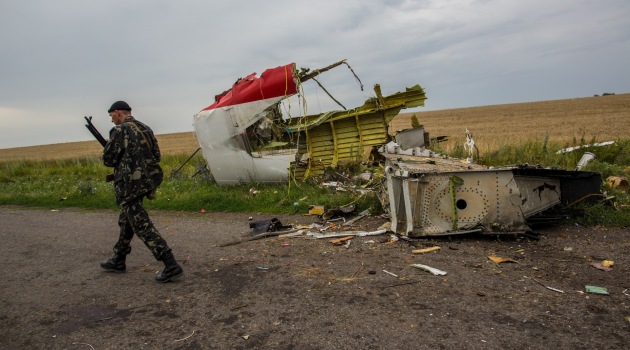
<point>299,293</point>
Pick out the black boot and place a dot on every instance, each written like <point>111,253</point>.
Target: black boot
<point>172,270</point>
<point>115,264</point>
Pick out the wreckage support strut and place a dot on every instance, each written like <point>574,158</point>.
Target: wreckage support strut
<point>189,158</point>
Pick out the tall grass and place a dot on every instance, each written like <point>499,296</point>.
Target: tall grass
<point>81,183</point>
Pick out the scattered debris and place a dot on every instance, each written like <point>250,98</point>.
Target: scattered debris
<point>596,290</point>
<point>190,335</point>
<point>339,241</point>
<point>618,182</point>
<point>346,233</point>
<point>391,274</point>
<point>499,260</point>
<point>604,265</point>
<point>546,286</point>
<point>258,236</point>
<point>245,137</point>
<point>587,157</point>
<point>571,149</point>
<point>267,226</point>
<point>425,250</point>
<point>430,269</point>
<point>77,343</point>
<point>357,218</point>
<point>334,212</point>
<point>315,209</point>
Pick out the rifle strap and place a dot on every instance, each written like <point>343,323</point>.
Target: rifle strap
<point>141,133</point>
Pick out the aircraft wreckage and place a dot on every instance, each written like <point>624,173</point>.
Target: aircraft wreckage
<point>245,138</point>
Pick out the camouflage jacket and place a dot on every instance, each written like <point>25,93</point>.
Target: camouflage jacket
<point>134,153</point>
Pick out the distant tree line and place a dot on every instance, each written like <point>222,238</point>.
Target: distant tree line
<point>605,94</point>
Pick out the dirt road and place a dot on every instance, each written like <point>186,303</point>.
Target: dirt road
<point>301,293</point>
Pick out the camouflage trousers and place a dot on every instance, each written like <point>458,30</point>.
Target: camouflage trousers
<point>134,219</point>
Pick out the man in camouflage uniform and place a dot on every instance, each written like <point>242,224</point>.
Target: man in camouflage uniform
<point>133,152</point>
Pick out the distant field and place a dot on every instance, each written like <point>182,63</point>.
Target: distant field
<point>603,118</point>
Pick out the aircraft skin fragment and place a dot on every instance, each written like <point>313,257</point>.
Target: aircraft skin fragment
<point>219,128</point>
<point>424,201</point>
<point>324,140</point>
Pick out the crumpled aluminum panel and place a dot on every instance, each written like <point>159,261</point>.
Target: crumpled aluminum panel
<point>486,200</point>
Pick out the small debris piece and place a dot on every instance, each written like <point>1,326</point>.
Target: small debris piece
<point>608,263</point>
<point>319,235</point>
<point>498,259</point>
<point>627,318</point>
<point>620,183</point>
<point>191,334</point>
<point>258,236</point>
<point>246,337</point>
<point>389,273</point>
<point>315,209</point>
<point>371,233</point>
<point>546,286</point>
<point>601,266</point>
<point>425,250</point>
<point>359,217</point>
<point>338,241</point>
<point>433,270</point>
<point>202,211</point>
<point>332,213</point>
<point>596,290</point>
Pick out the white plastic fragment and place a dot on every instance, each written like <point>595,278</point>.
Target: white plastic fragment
<point>389,273</point>
<point>346,233</point>
<point>433,270</point>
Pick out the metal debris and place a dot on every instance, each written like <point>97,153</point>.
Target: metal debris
<point>430,269</point>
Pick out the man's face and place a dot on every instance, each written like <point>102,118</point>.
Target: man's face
<point>116,117</point>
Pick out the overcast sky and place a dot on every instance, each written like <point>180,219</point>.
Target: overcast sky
<point>64,59</point>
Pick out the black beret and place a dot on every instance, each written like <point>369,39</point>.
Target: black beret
<point>119,105</point>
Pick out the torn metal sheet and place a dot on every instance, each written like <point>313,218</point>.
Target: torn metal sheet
<point>221,127</point>
<point>435,196</point>
<point>244,137</point>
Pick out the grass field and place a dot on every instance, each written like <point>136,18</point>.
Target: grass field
<point>601,118</point>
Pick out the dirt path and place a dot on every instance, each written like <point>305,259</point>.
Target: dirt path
<point>305,293</point>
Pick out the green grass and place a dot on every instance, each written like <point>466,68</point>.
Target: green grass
<point>80,183</point>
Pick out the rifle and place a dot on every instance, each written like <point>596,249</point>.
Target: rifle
<point>100,139</point>
<point>95,132</point>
